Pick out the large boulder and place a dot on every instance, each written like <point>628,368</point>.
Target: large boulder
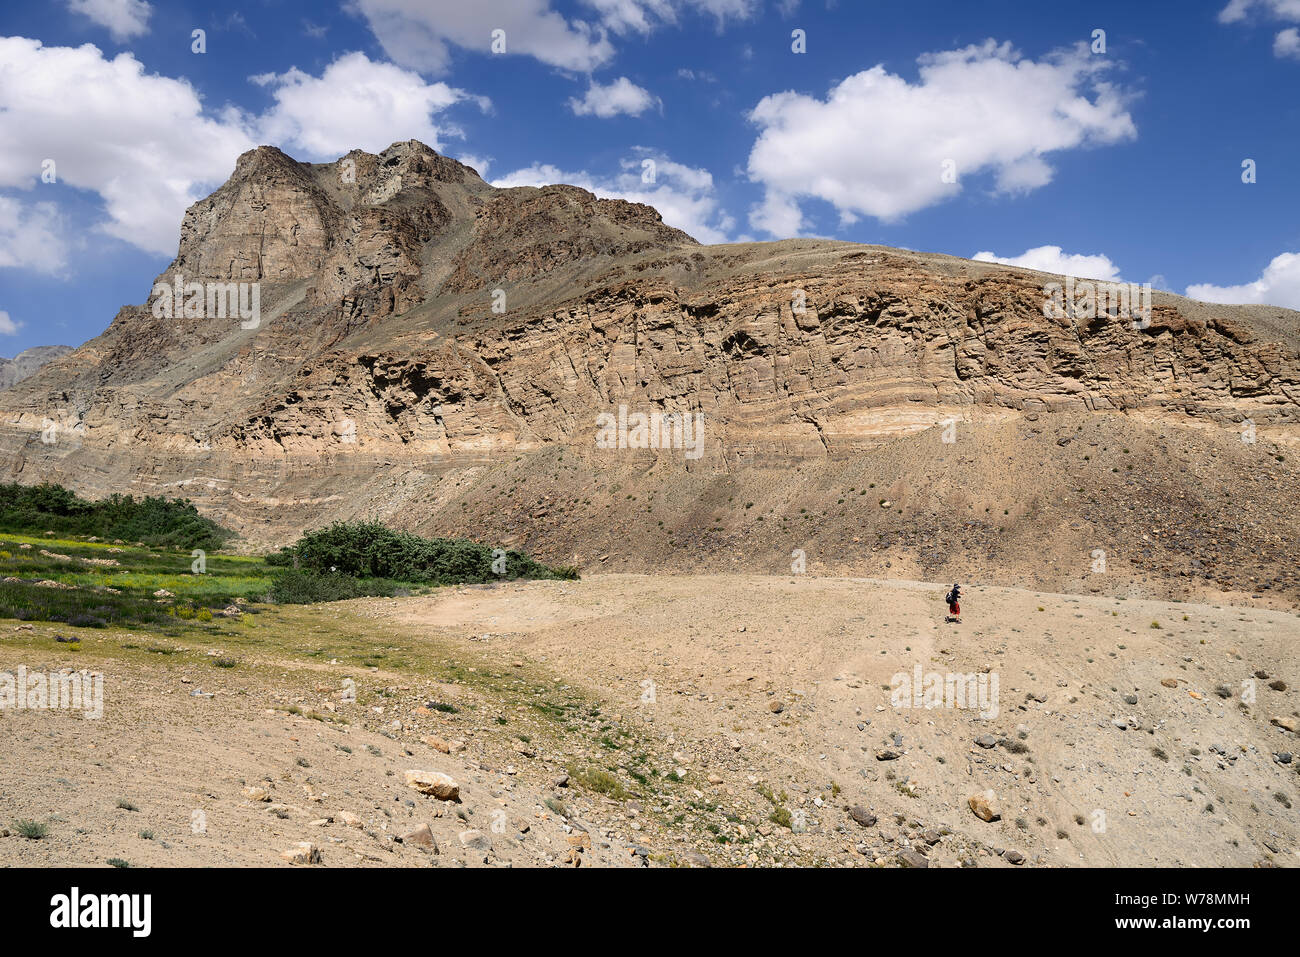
<point>442,786</point>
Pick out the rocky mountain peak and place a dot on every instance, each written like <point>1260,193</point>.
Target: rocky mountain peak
<point>367,222</point>
<point>264,162</point>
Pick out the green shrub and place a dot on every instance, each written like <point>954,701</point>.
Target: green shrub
<point>371,550</point>
<point>600,781</point>
<point>32,830</point>
<point>298,587</point>
<point>281,559</point>
<point>36,509</point>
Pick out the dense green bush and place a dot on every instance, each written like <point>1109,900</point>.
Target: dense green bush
<point>297,587</point>
<point>281,559</point>
<point>36,509</point>
<point>371,550</point>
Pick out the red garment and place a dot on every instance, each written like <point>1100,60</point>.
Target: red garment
<point>954,609</point>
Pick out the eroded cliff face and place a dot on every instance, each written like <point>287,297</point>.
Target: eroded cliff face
<point>419,328</point>
<point>882,346</point>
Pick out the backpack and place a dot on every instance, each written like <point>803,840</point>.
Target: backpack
<point>952,595</point>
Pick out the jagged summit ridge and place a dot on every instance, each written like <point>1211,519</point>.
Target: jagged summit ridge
<point>363,218</point>
<point>358,219</point>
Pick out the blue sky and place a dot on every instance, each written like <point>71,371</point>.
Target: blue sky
<point>995,128</point>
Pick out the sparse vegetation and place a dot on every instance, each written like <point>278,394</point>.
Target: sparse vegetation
<point>600,781</point>
<point>32,830</point>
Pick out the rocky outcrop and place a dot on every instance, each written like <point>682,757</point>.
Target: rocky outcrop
<point>525,233</point>
<point>13,371</point>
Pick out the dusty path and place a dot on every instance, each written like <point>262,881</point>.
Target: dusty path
<point>721,649</point>
<point>733,719</point>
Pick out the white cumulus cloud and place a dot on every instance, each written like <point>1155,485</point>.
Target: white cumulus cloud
<point>354,103</point>
<point>7,326</point>
<point>1278,285</point>
<point>32,236</point>
<point>1286,43</point>
<point>422,33</point>
<point>611,99</point>
<point>124,19</point>
<point>1054,260</point>
<point>684,195</point>
<point>879,145</point>
<point>1238,10</point>
<point>141,141</point>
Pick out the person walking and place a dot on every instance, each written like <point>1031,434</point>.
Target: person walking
<point>953,598</point>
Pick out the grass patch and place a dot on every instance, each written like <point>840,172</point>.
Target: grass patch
<point>96,585</point>
<point>599,781</point>
<point>32,830</point>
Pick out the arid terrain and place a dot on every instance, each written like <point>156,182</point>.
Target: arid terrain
<point>1121,500</point>
<point>630,720</point>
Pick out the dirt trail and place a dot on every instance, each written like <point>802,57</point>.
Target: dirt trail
<point>721,649</point>
<point>729,719</point>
